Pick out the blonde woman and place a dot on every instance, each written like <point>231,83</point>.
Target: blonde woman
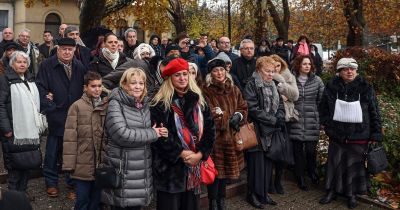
<point>130,134</point>
<point>180,107</point>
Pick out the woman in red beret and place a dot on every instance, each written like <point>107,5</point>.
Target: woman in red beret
<point>181,108</point>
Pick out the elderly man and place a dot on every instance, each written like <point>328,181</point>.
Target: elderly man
<point>8,36</point>
<point>82,53</point>
<point>61,30</point>
<point>224,45</point>
<point>244,66</point>
<point>48,44</point>
<point>60,83</point>
<point>29,48</point>
<point>130,42</point>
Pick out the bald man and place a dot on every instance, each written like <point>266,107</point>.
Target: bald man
<point>8,36</point>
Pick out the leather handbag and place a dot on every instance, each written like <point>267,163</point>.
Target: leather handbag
<point>26,160</point>
<point>106,176</point>
<point>208,172</point>
<point>246,138</point>
<point>376,160</point>
<point>280,148</point>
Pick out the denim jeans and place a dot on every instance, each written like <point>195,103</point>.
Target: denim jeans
<point>54,149</point>
<point>87,195</point>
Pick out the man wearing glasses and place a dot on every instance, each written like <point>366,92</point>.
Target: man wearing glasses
<point>224,45</point>
<point>244,66</point>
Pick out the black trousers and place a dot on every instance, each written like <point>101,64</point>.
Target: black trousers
<point>217,190</point>
<point>259,172</point>
<point>178,201</point>
<point>126,208</point>
<point>310,149</point>
<point>18,180</point>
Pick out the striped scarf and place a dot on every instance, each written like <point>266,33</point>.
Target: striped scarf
<point>189,140</point>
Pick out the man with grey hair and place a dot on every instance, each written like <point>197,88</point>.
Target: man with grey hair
<point>131,43</point>
<point>29,48</point>
<point>224,45</point>
<point>244,66</point>
<point>8,36</point>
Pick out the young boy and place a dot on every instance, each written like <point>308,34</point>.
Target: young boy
<point>82,139</point>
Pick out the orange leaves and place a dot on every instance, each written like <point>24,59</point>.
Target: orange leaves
<point>389,192</point>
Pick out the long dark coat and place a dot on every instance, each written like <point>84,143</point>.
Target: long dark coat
<point>243,69</point>
<point>170,172</point>
<point>52,78</point>
<point>369,129</point>
<point>228,97</point>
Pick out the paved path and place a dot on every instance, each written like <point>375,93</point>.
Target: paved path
<point>293,199</point>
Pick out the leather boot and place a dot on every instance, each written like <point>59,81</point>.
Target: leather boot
<point>212,204</point>
<point>352,202</point>
<point>329,197</point>
<point>270,201</point>
<point>271,188</point>
<point>221,203</point>
<point>301,183</point>
<point>252,200</point>
<point>278,183</point>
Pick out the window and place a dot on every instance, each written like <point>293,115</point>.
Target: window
<point>52,22</point>
<point>3,19</point>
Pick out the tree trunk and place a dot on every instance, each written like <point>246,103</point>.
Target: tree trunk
<point>177,16</point>
<point>92,13</point>
<point>260,21</point>
<point>353,11</point>
<point>282,26</point>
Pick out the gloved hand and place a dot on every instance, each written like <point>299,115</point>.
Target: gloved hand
<point>280,122</point>
<point>235,120</point>
<point>218,111</point>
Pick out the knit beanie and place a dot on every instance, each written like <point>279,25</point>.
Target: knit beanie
<point>174,66</point>
<point>70,29</point>
<point>223,56</point>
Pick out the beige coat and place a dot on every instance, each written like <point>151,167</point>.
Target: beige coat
<point>288,87</point>
<point>82,138</point>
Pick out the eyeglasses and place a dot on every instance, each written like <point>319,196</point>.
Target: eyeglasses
<point>225,42</point>
<point>248,48</point>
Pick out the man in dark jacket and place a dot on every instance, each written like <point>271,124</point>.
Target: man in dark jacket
<point>244,66</point>
<point>130,42</point>
<point>60,83</point>
<point>47,46</point>
<point>82,53</point>
<point>24,40</point>
<point>280,49</point>
<point>8,36</point>
<point>224,45</point>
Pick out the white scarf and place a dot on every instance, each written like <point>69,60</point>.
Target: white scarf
<point>25,114</point>
<point>112,57</point>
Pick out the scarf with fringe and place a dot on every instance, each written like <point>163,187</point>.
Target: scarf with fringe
<point>111,57</point>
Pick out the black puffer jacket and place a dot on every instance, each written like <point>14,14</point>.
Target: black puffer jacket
<point>102,66</point>
<point>170,172</point>
<point>369,129</point>
<point>307,128</point>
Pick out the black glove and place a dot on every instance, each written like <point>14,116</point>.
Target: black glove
<point>280,122</point>
<point>234,121</point>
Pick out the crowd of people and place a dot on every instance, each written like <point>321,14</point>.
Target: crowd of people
<point>156,112</point>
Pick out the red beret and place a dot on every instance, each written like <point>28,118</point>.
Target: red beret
<point>174,66</point>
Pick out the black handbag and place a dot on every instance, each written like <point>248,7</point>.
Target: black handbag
<point>376,160</point>
<point>26,160</point>
<point>280,148</point>
<point>106,176</point>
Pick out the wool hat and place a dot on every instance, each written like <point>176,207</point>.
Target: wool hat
<point>171,47</point>
<point>12,45</point>
<point>141,49</point>
<point>194,65</point>
<point>216,62</point>
<point>66,42</point>
<point>346,63</point>
<point>223,56</point>
<point>174,66</point>
<point>70,29</point>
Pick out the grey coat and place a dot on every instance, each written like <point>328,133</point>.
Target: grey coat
<point>130,134</point>
<point>307,128</point>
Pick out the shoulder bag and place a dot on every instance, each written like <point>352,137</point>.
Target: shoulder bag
<point>246,138</point>
<point>376,160</point>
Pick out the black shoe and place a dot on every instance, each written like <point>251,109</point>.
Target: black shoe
<point>221,203</point>
<point>329,197</point>
<point>270,201</point>
<point>212,204</point>
<point>252,200</point>
<point>302,184</point>
<point>352,202</point>
<point>279,187</point>
<point>271,189</point>
<point>314,179</point>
